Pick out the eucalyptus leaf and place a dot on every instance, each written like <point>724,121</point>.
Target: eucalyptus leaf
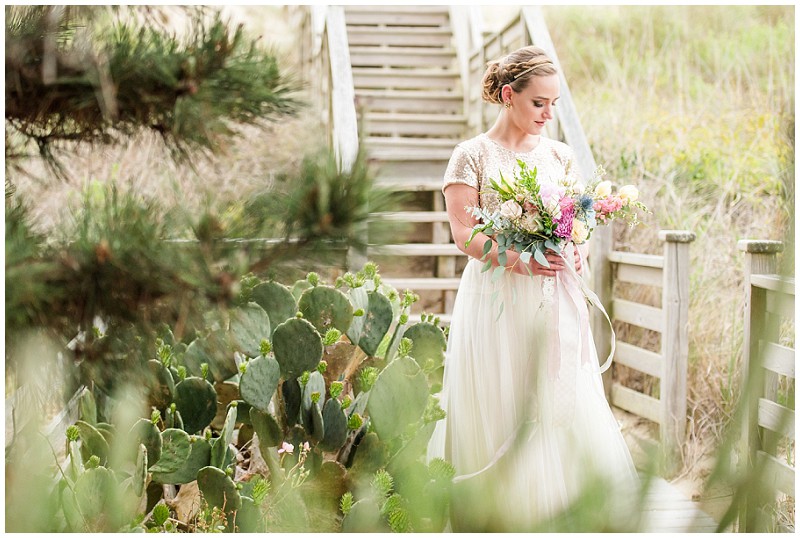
<point>487,247</point>
<point>537,254</point>
<point>486,266</point>
<point>498,272</point>
<point>525,257</point>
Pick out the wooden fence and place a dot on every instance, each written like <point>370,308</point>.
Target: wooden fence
<point>768,436</point>
<point>670,272</point>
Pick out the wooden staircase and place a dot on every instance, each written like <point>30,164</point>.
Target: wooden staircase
<point>409,97</point>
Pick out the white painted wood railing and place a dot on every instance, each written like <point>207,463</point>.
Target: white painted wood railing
<point>768,436</point>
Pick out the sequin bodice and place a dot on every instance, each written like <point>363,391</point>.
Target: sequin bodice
<point>477,160</point>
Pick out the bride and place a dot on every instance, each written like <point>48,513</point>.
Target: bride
<point>528,427</point>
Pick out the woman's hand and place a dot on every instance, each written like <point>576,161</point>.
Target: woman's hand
<point>578,264</point>
<point>556,262</point>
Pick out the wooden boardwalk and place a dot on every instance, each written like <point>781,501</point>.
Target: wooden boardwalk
<point>667,509</point>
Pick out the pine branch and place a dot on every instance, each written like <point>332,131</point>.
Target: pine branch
<point>67,83</point>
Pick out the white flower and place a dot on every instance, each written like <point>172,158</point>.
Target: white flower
<point>603,189</point>
<point>510,209</point>
<point>531,222</point>
<point>578,188</point>
<point>629,193</point>
<point>579,231</point>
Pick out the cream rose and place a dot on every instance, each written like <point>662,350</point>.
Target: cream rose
<point>602,189</point>
<point>510,209</point>
<point>629,193</point>
<point>579,231</point>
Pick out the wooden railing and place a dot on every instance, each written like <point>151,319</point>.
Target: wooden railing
<point>768,435</point>
<point>670,272</point>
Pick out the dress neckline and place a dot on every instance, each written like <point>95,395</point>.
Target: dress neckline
<point>501,146</point>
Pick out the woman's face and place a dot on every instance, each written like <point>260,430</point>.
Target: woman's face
<point>533,106</point>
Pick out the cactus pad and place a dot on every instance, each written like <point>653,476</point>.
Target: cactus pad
<point>297,346</point>
<point>259,382</point>
<point>369,330</point>
<point>175,449</point>
<point>277,300</point>
<point>93,442</point>
<point>160,385</point>
<point>196,402</point>
<point>199,457</point>
<point>146,433</point>
<point>266,427</point>
<point>249,325</point>
<point>429,344</point>
<point>326,307</point>
<point>335,426</point>
<point>218,489</point>
<point>398,397</point>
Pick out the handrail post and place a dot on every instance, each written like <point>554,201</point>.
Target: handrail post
<point>760,258</point>
<point>675,343</point>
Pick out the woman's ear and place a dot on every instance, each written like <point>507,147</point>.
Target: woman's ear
<point>505,92</point>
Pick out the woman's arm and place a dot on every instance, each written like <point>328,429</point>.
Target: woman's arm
<point>457,198</point>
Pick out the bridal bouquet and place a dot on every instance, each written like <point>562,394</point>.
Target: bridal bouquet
<point>534,216</point>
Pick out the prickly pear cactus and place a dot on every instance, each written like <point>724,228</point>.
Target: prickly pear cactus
<point>335,431</point>
<point>160,386</point>
<point>218,489</point>
<point>277,300</point>
<point>196,401</point>
<point>297,346</point>
<point>259,382</point>
<point>216,351</point>
<point>199,457</point>
<point>368,331</point>
<point>249,325</point>
<point>219,448</point>
<point>175,449</point>
<point>93,442</point>
<point>326,307</point>
<point>146,433</point>
<point>267,428</point>
<point>398,397</point>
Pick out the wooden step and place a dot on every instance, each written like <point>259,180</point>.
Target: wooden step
<point>411,101</point>
<point>411,149</point>
<point>401,284</point>
<point>417,79</point>
<point>409,171</point>
<point>422,125</point>
<point>416,249</point>
<point>399,36</point>
<point>361,56</point>
<point>411,216</point>
<point>433,16</point>
<point>410,184</point>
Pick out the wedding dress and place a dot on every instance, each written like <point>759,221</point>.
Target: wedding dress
<point>527,425</point>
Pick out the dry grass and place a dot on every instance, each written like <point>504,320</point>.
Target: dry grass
<point>695,105</point>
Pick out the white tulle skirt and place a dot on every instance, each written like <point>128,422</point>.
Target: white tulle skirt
<point>528,426</point>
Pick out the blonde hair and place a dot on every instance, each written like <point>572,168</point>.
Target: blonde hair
<point>515,69</point>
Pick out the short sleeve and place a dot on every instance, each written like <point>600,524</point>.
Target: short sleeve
<point>461,169</point>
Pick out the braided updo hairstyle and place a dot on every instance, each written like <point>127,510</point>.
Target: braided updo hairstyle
<point>515,69</point>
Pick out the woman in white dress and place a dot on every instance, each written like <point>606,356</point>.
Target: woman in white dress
<point>527,425</point>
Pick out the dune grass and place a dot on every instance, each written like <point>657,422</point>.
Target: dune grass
<point>695,105</point>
